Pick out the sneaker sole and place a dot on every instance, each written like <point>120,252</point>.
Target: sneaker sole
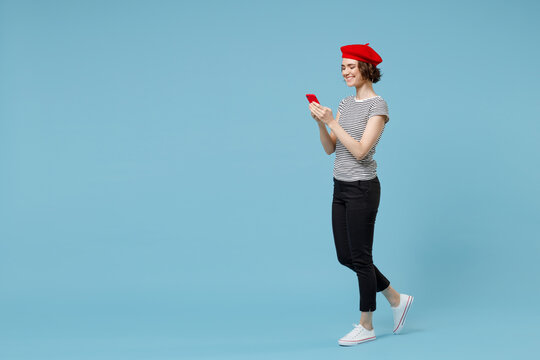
<point>352,343</point>
<point>404,317</point>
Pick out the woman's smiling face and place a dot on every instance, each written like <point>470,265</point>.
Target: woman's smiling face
<point>350,72</point>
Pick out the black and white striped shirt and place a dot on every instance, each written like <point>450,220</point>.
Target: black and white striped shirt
<point>353,118</point>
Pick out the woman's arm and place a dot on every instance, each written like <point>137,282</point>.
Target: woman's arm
<point>372,132</point>
<point>328,141</point>
<point>358,149</point>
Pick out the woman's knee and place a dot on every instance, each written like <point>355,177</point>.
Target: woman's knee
<point>345,261</point>
<point>363,264</point>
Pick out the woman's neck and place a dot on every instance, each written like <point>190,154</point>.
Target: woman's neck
<point>365,91</point>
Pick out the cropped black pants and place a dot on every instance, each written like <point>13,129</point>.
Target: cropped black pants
<point>354,210</point>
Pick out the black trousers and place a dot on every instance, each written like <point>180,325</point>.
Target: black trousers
<point>354,210</point>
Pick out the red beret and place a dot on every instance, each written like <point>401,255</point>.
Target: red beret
<point>361,52</point>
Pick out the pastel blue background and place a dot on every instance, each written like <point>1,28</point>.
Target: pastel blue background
<point>164,193</point>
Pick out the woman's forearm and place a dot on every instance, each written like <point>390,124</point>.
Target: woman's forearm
<point>326,140</point>
<point>355,147</point>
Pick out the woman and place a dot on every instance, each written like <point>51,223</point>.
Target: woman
<point>355,132</point>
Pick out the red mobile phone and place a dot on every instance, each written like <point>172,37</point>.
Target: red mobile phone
<point>311,98</point>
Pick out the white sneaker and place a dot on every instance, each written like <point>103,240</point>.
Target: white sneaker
<point>400,311</point>
<point>357,335</point>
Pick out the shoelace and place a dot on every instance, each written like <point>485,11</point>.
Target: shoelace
<point>357,329</point>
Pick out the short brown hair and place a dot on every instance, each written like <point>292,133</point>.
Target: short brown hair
<point>368,71</point>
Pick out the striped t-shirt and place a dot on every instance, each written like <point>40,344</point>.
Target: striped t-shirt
<point>353,118</point>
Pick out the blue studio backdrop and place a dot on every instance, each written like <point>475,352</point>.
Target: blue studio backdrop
<point>164,193</point>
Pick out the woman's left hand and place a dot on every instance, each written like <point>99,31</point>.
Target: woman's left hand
<point>322,112</point>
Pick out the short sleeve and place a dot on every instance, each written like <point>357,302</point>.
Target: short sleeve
<point>341,107</point>
<point>379,107</point>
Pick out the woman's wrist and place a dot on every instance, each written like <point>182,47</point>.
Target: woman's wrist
<point>332,124</point>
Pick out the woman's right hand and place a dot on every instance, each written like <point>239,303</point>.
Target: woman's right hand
<point>316,118</point>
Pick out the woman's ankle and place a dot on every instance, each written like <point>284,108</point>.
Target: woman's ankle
<point>392,296</point>
<point>367,326</point>
<point>394,301</point>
